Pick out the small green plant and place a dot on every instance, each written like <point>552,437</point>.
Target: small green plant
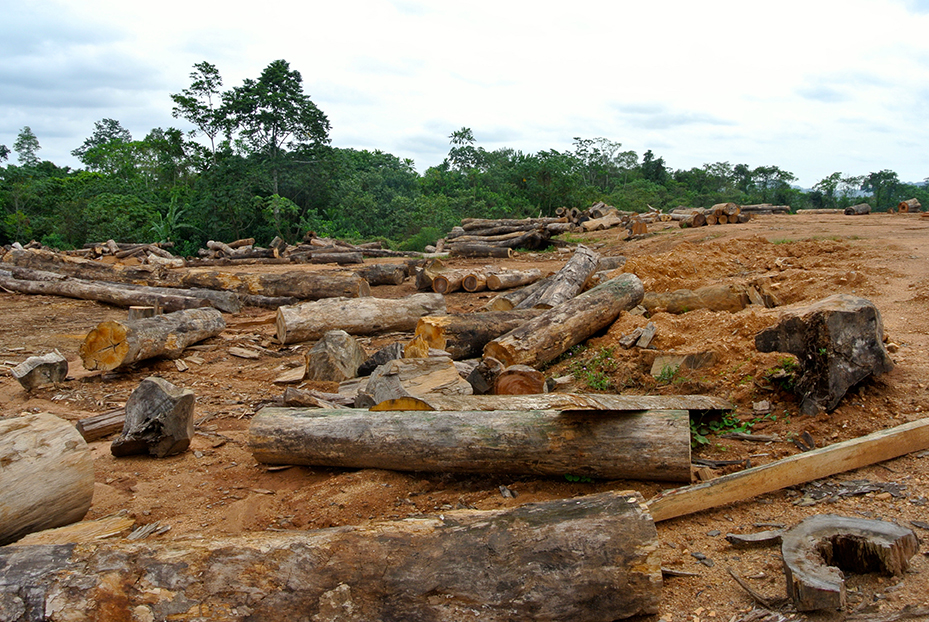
<point>667,375</point>
<point>784,374</point>
<point>595,371</point>
<point>700,429</point>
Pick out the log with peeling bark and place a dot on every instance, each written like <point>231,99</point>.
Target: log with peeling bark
<point>650,445</point>
<point>464,335</point>
<point>508,279</point>
<point>116,344</point>
<point>46,475</point>
<point>862,209</point>
<point>112,294</point>
<point>476,249</point>
<point>383,273</point>
<point>565,402</point>
<point>359,316</point>
<point>720,297</point>
<point>589,558</point>
<point>547,336</point>
<point>566,283</point>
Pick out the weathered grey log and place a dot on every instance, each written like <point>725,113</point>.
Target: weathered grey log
<point>564,402</point>
<point>476,249</point>
<point>334,358</point>
<point>591,558</point>
<point>337,258</point>
<point>383,273</point>
<point>115,344</point>
<point>646,445</point>
<point>298,283</point>
<point>719,297</point>
<point>138,312</point>
<point>838,342</point>
<point>316,399</point>
<point>356,316</point>
<point>464,335</point>
<point>416,377</point>
<point>385,354</point>
<point>817,550</point>
<point>909,206</point>
<point>46,475</point>
<point>474,224</point>
<point>99,426</point>
<point>159,420</point>
<point>861,209</point>
<point>567,282</point>
<point>549,335</point>
<point>40,371</point>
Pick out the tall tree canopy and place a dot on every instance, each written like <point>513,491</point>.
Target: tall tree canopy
<point>27,147</point>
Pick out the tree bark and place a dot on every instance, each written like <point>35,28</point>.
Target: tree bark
<point>566,283</point>
<point>383,274</point>
<point>474,249</point>
<point>858,210</point>
<point>508,279</point>
<point>591,558</point>
<point>909,206</point>
<point>651,445</point>
<point>464,335</point>
<point>115,344</point>
<point>472,224</point>
<point>361,316</point>
<point>298,283</point>
<point>606,405</point>
<point>448,281</point>
<point>547,336</point>
<point>509,300</point>
<point>46,478</point>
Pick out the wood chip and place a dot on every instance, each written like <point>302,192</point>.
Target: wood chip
<point>244,353</point>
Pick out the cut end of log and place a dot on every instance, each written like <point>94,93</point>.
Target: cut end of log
<point>105,347</point>
<point>407,402</point>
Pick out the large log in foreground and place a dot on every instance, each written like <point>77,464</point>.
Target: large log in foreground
<point>547,336</point>
<point>591,558</point>
<point>644,445</point>
<point>361,316</point>
<point>46,475</point>
<point>116,344</point>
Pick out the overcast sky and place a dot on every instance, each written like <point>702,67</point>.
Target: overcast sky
<point>812,86</point>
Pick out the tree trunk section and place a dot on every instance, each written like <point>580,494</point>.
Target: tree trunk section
<point>547,336</point>
<point>858,210</point>
<point>464,335</point>
<point>383,274</point>
<point>520,380</point>
<point>723,297</point>
<point>567,282</point>
<point>297,284</point>
<point>606,405</point>
<point>46,477</point>
<point>509,300</point>
<point>909,206</point>
<point>100,426</point>
<point>510,279</point>
<point>650,445</point>
<point>361,316</point>
<point>591,558</point>
<point>115,344</point>
<point>475,249</point>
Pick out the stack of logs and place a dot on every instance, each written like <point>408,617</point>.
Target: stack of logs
<point>312,249</point>
<point>482,237</point>
<point>719,214</point>
<point>154,253</point>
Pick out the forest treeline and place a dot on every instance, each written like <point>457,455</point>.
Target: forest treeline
<point>260,163</point>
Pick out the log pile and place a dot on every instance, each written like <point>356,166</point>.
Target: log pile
<point>154,253</point>
<point>311,249</point>
<point>719,214</point>
<point>477,236</point>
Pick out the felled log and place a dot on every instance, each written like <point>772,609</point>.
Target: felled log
<point>508,279</point>
<point>520,380</point>
<point>464,335</point>
<point>343,259</point>
<point>298,284</point>
<point>316,399</point>
<point>476,281</point>
<point>766,208</point>
<point>100,426</point>
<point>159,420</point>
<point>607,405</point>
<point>476,249</point>
<point>116,344</point>
<point>817,550</point>
<point>819,211</point>
<point>838,342</point>
<point>651,445</point>
<point>520,239</point>
<point>805,467</point>
<point>909,206</point>
<point>509,300</point>
<point>719,297</point>
<point>566,283</point>
<point>70,287</point>
<point>697,219</point>
<point>549,335</point>
<point>860,209</point>
<point>472,224</point>
<point>358,316</point>
<point>495,229</point>
<point>586,558</point>
<point>40,371</point>
<point>47,475</point>
<point>448,281</point>
<point>383,274</point>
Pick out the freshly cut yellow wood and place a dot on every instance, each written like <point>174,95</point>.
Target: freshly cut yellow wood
<point>564,402</point>
<point>464,335</point>
<point>116,344</point>
<point>805,467</point>
<point>46,475</point>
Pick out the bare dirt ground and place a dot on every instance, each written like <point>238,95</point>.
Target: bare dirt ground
<point>217,487</point>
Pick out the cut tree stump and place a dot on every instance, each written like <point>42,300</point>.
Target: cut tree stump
<point>116,344</point>
<point>606,405</point>
<point>464,335</point>
<point>838,342</point>
<point>159,420</point>
<point>592,558</point>
<point>414,377</point>
<point>566,283</point>
<point>805,467</point>
<point>649,445</point>
<point>46,475</point>
<point>40,371</point>
<point>817,550</point>
<point>356,316</point>
<point>520,380</point>
<point>547,336</point>
<point>334,358</point>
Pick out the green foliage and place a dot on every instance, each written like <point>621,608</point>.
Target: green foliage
<point>594,371</point>
<point>701,427</point>
<point>26,147</point>
<point>419,241</point>
<point>667,374</point>
<point>126,218</point>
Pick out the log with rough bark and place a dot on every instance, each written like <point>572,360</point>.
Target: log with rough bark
<point>564,402</point>
<point>413,377</point>
<point>476,280</point>
<point>591,558</point>
<point>356,316</point>
<point>159,420</point>
<point>806,467</point>
<point>720,297</point>
<point>342,259</point>
<point>46,477</point>
<point>697,219</point>
<point>820,211</point>
<point>861,209</point>
<point>112,294</point>
<point>383,273</point>
<point>476,249</point>
<point>817,550</point>
<point>474,224</point>
<point>549,335</point>
<point>464,335</point>
<point>766,208</point>
<point>650,445</point>
<point>508,279</point>
<point>909,206</point>
<point>297,284</point>
<point>567,282</point>
<point>116,344</point>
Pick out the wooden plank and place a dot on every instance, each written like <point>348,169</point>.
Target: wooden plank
<point>838,458</point>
